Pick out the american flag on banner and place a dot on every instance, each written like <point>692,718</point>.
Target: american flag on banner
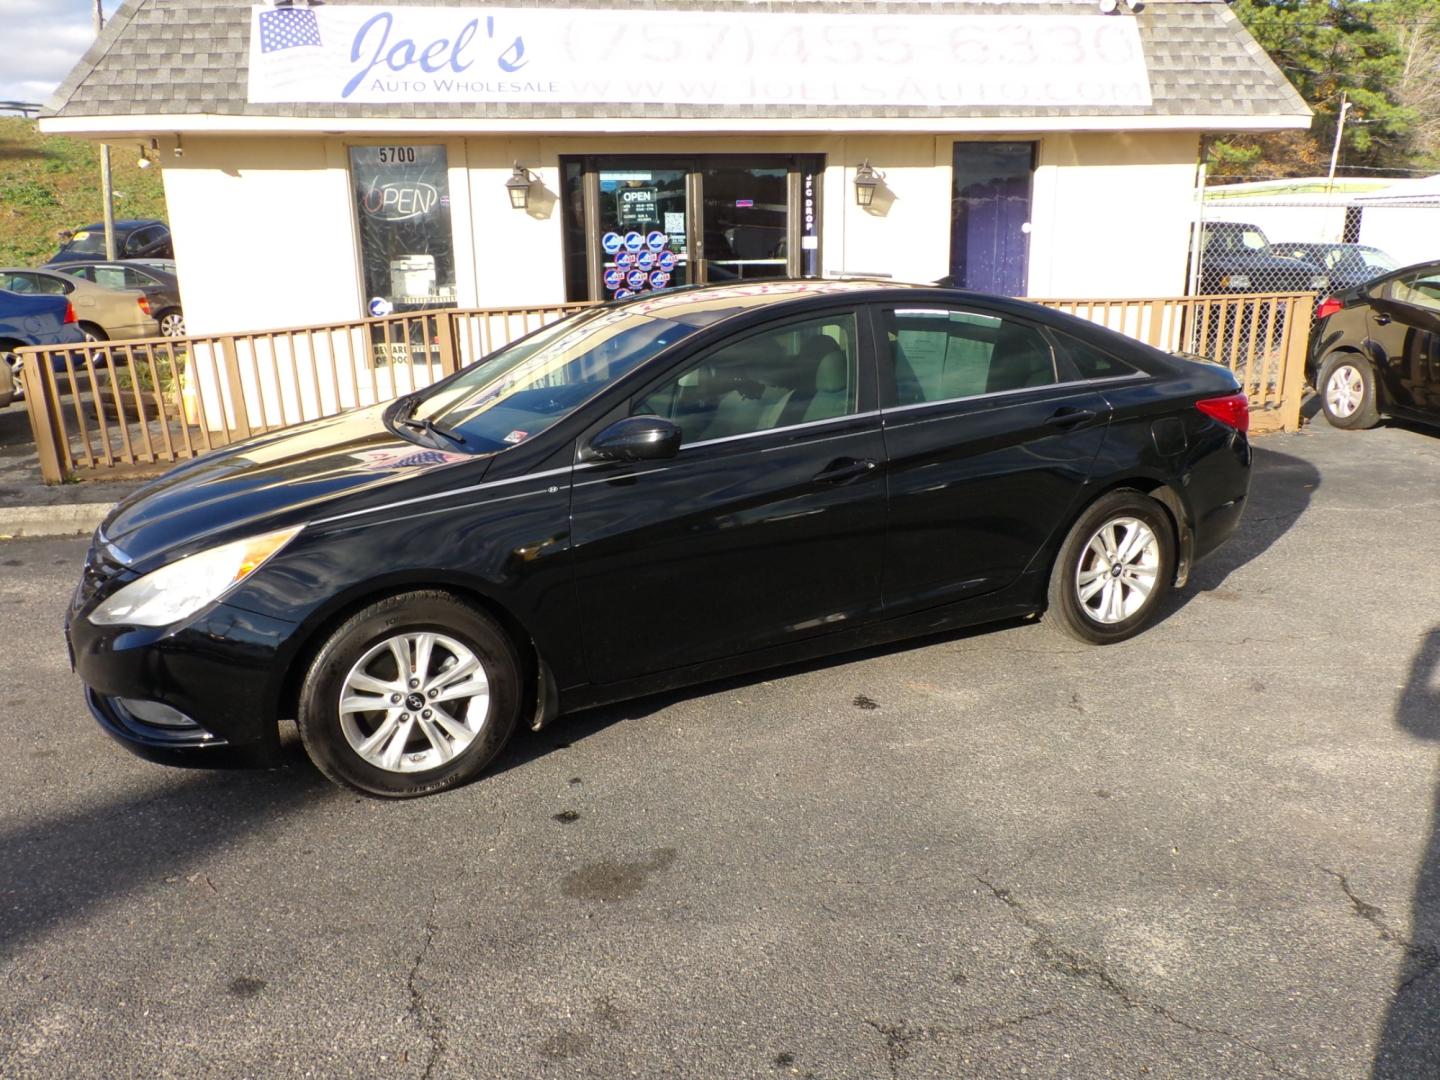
<point>289,51</point>
<point>288,28</point>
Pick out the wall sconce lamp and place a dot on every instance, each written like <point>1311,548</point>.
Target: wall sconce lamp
<point>145,151</point>
<point>867,179</point>
<point>518,186</point>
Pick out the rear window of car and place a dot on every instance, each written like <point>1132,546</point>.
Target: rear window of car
<point>1090,362</point>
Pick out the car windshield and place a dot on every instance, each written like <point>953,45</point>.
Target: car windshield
<point>525,388</point>
<point>1377,261</point>
<point>86,243</point>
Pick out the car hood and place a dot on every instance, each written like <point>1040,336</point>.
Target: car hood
<point>284,478</point>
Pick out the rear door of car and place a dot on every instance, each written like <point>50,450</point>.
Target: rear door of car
<point>768,525</point>
<point>990,438</point>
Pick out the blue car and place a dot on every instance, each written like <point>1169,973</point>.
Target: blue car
<point>38,319</point>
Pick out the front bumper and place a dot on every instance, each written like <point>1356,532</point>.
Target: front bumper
<point>225,671</point>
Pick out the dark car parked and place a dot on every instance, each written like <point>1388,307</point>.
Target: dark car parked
<point>1346,265</point>
<point>36,320</point>
<point>1376,349</point>
<point>647,494</point>
<point>155,278</point>
<point>139,238</point>
<point>1237,258</point>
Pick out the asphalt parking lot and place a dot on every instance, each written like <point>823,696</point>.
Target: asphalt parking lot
<point>1208,852</point>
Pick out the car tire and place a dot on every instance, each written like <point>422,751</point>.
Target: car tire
<point>407,744</point>
<point>1112,571</point>
<point>1347,391</point>
<point>93,332</point>
<point>171,323</point>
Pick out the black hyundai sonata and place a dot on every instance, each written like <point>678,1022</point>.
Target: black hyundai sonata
<point>648,494</point>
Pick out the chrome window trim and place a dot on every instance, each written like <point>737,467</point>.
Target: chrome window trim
<point>771,431</point>
<point>1069,384</point>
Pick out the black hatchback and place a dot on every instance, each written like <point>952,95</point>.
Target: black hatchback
<point>648,494</point>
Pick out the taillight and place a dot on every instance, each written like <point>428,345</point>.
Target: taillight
<point>1232,410</point>
<point>144,302</point>
<point>1328,307</point>
<point>70,312</point>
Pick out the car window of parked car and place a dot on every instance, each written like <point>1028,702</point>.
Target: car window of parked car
<point>84,273</point>
<point>1090,362</point>
<point>1377,261</point>
<point>798,373</point>
<point>86,243</point>
<point>525,388</point>
<point>1421,289</point>
<point>940,354</point>
<point>52,284</point>
<point>112,277</point>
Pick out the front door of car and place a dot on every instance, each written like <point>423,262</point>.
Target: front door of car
<point>1404,318</point>
<point>764,529</point>
<point>990,439</point>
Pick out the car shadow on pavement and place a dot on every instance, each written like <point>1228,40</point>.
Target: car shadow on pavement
<point>62,868</point>
<point>1410,1041</point>
<point>1281,487</point>
<point>1280,492</point>
<point>568,728</point>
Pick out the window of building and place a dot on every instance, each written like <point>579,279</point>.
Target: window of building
<point>407,247</point>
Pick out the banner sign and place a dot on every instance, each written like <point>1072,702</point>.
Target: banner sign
<point>380,55</point>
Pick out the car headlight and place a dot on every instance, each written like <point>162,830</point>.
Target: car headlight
<point>181,588</point>
<point>1319,282</point>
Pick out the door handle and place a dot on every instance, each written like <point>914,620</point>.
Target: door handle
<point>1070,417</point>
<point>843,469</point>
<point>1382,319</point>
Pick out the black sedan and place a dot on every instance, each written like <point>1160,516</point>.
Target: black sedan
<point>1376,350</point>
<point>649,494</point>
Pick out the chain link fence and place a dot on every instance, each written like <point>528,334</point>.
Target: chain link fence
<point>1304,236</point>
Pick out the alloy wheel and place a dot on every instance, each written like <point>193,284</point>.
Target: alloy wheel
<point>1118,570</point>
<point>173,325</point>
<point>414,701</point>
<point>1344,391</point>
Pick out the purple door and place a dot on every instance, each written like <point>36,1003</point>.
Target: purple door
<point>990,215</point>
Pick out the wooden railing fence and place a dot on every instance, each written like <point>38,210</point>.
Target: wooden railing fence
<point>135,407</point>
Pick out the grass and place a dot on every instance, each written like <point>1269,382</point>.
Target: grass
<point>50,182</point>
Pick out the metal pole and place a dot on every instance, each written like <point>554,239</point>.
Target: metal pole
<point>107,193</point>
<point>1335,150</point>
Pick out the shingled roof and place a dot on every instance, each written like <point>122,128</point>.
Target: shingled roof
<point>190,58</point>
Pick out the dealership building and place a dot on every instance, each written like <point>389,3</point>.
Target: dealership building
<point>328,161</point>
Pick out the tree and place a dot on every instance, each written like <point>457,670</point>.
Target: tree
<point>1378,54</point>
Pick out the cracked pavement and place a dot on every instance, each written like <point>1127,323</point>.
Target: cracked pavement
<point>1208,852</point>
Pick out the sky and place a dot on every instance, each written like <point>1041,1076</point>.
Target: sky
<point>43,39</point>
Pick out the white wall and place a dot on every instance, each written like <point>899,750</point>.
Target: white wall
<point>265,233</point>
<point>1408,234</point>
<point>1112,214</point>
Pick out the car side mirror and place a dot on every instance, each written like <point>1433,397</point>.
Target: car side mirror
<point>636,438</point>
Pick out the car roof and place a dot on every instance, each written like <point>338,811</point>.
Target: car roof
<point>704,305</point>
<point>127,223</point>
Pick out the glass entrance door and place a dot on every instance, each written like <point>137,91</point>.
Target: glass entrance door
<point>746,221</point>
<point>642,224</point>
<point>643,221</point>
